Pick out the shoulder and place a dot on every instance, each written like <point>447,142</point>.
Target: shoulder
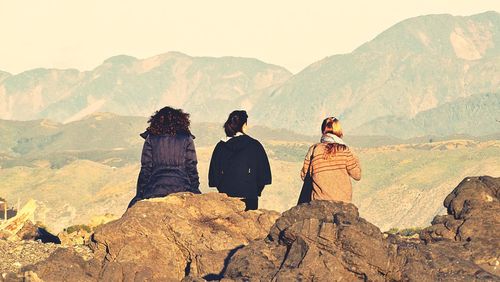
<point>218,146</point>
<point>255,143</point>
<point>250,139</point>
<point>316,146</point>
<point>181,136</point>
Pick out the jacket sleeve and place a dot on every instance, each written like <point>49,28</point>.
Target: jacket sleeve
<point>353,166</point>
<point>191,166</point>
<point>307,161</point>
<point>264,176</point>
<point>213,170</point>
<point>146,167</point>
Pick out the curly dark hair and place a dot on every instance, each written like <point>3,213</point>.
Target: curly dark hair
<point>169,121</point>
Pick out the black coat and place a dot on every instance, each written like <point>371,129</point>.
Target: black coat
<point>168,165</point>
<point>239,167</point>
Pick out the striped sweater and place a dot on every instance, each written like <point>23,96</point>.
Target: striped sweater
<point>331,175</point>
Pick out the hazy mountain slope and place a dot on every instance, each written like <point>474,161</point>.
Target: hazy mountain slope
<point>25,133</point>
<point>114,140</point>
<point>206,87</point>
<point>102,137</point>
<point>417,65</point>
<point>478,115</point>
<point>4,75</point>
<point>414,66</point>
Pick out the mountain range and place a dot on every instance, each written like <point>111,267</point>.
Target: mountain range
<point>417,65</point>
<point>421,69</point>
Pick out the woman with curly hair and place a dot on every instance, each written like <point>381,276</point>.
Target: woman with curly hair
<point>331,164</point>
<point>168,162</point>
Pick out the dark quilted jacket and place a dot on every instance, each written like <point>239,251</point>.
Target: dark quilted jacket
<point>168,165</point>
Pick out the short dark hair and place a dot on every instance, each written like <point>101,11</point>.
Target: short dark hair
<point>235,122</point>
<point>169,121</point>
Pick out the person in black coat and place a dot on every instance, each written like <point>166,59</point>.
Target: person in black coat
<point>168,161</point>
<point>239,166</point>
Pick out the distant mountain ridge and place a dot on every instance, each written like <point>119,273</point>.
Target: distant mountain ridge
<point>478,114</point>
<point>414,66</point>
<point>206,87</point>
<point>413,70</point>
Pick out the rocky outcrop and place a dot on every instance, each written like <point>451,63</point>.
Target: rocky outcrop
<point>472,221</point>
<point>328,241</point>
<point>321,240</point>
<point>164,239</point>
<point>209,237</point>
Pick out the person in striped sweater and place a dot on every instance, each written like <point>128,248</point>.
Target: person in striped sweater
<point>333,165</point>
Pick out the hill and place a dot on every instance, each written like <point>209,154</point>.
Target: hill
<point>435,66</point>
<point>478,115</point>
<point>209,88</point>
<point>417,65</point>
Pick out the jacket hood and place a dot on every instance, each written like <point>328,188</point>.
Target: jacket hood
<point>237,143</point>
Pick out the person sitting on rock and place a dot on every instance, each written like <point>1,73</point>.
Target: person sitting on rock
<point>168,162</point>
<point>332,165</point>
<point>239,166</point>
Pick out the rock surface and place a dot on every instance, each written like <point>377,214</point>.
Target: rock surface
<point>209,237</point>
<point>472,221</point>
<point>328,241</point>
<point>164,239</point>
<point>16,254</point>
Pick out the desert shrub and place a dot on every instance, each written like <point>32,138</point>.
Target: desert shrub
<point>410,231</point>
<point>75,228</point>
<point>405,232</point>
<point>392,231</point>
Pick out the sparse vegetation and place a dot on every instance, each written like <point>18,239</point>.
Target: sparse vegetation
<point>405,232</point>
<point>79,227</point>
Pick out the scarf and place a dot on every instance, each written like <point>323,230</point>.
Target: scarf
<point>332,138</point>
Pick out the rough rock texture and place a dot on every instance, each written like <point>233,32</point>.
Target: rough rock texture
<point>16,254</point>
<point>473,221</point>
<point>328,241</point>
<point>196,237</point>
<point>321,240</point>
<point>164,239</point>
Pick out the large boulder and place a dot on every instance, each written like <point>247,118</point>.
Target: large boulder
<point>322,241</point>
<point>473,221</point>
<point>165,239</point>
<point>328,241</point>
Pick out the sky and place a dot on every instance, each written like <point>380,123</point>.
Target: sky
<point>293,34</point>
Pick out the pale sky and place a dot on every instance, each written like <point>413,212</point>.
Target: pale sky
<point>293,34</point>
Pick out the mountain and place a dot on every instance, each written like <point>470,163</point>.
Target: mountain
<point>415,66</point>
<point>477,114</point>
<point>208,88</point>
